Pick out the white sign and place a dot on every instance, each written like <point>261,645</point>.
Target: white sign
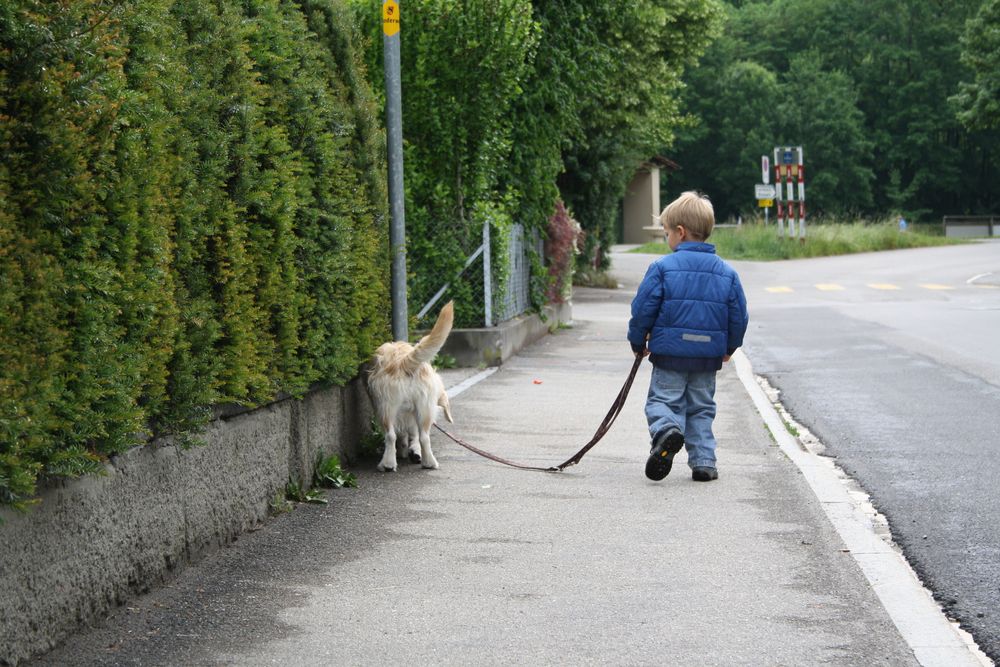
<point>765,170</point>
<point>763,191</point>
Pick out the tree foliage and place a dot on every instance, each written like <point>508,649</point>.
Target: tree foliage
<point>979,101</point>
<point>625,97</point>
<point>864,87</point>
<point>514,104</point>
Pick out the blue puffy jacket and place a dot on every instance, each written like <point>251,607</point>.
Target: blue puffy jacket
<point>692,306</point>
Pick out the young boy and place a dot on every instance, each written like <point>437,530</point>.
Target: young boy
<point>689,315</point>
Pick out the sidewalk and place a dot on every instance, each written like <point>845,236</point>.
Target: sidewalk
<point>477,563</point>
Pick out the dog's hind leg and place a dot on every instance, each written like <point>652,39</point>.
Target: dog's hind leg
<point>427,459</point>
<point>388,462</point>
<point>413,444</point>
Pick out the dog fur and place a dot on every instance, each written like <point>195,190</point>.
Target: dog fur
<point>407,393</point>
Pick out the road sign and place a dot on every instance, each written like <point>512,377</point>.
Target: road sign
<point>390,18</point>
<point>763,191</point>
<point>765,169</point>
<point>765,203</point>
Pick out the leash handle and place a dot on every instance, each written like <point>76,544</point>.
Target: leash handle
<point>605,426</point>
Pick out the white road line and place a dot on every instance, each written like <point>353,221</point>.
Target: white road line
<point>936,641</point>
<point>468,383</point>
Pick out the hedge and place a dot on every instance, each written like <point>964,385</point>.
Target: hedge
<point>192,212</point>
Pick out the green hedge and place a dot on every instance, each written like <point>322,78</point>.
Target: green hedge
<point>191,212</point>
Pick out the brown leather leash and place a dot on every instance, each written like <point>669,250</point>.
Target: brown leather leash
<point>605,426</point>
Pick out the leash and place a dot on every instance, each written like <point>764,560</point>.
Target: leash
<point>609,419</point>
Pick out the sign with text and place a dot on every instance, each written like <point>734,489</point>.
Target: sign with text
<point>763,191</point>
<point>390,18</point>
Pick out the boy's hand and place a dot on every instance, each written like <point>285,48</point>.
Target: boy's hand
<point>640,350</point>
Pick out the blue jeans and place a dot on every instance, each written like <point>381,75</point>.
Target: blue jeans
<point>684,400</point>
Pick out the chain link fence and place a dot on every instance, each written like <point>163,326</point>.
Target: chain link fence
<point>496,278</point>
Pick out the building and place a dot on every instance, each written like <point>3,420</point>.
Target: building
<point>641,205</point>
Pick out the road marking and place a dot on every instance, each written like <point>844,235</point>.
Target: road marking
<point>921,622</point>
<point>934,286</point>
<point>883,286</point>
<point>468,383</point>
<point>779,290</point>
<point>829,287</point>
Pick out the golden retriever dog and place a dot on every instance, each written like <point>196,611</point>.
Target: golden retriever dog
<point>407,392</point>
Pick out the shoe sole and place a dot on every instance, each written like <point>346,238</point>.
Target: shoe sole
<point>661,459</point>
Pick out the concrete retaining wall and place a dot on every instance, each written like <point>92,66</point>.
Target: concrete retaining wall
<point>493,346</point>
<point>93,543</point>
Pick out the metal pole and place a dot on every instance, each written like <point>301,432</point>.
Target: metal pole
<point>802,198</point>
<point>487,277</point>
<point>394,133</point>
<point>778,194</point>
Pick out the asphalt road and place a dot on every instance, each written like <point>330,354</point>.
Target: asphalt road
<point>892,360</point>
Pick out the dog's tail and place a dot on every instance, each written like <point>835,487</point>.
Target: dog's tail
<point>429,345</point>
<point>445,406</point>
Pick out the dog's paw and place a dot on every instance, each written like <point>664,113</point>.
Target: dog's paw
<point>413,456</point>
<point>430,464</point>
<point>385,467</point>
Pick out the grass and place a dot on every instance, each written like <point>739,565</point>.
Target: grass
<point>758,242</point>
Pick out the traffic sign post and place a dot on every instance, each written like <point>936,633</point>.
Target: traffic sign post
<point>789,167</point>
<point>394,155</point>
<point>765,178</point>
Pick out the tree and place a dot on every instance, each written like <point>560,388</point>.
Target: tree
<point>633,53</point>
<point>736,123</point>
<point>979,101</point>
<point>895,62</point>
<point>818,110</point>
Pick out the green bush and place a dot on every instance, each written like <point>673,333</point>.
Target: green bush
<point>191,212</point>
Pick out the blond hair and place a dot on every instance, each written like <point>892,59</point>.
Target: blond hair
<point>692,211</point>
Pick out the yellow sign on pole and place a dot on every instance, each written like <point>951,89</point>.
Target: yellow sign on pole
<point>390,18</point>
<point>765,203</point>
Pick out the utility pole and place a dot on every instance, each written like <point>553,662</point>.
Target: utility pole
<point>394,133</point>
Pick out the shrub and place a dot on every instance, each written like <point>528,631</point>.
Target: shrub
<point>561,248</point>
<point>191,212</point>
